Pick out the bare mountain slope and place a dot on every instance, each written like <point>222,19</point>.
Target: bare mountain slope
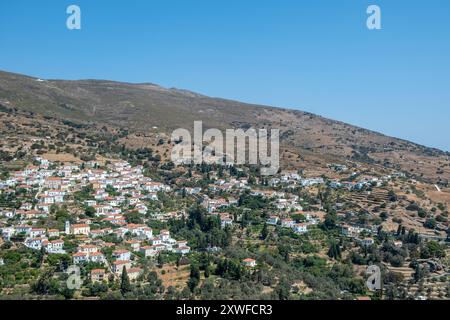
<point>139,107</point>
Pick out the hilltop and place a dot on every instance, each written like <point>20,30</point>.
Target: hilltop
<point>142,108</point>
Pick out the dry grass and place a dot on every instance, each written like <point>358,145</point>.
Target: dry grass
<point>62,157</point>
<point>173,276</point>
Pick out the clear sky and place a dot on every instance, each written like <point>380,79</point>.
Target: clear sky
<point>312,55</point>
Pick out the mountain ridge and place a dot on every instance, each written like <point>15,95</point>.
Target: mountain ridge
<point>200,95</point>
<point>142,106</point>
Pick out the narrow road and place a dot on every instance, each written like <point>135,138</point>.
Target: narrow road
<point>41,186</point>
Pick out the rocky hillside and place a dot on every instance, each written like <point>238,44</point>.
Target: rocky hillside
<point>141,107</point>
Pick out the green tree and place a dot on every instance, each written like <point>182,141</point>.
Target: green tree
<point>160,260</point>
<point>125,285</point>
<point>194,277</point>
<point>330,220</point>
<point>283,251</point>
<point>207,271</point>
<point>334,251</point>
<point>90,212</point>
<point>133,217</point>
<point>264,232</point>
<point>430,224</point>
<point>40,257</point>
<point>283,289</point>
<point>418,273</point>
<point>45,284</point>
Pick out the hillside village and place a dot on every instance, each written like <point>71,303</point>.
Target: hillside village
<point>126,228</point>
<point>104,208</point>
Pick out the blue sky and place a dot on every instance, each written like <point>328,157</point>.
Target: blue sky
<point>314,55</point>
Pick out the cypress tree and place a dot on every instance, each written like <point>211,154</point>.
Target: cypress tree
<point>125,285</point>
<point>264,232</point>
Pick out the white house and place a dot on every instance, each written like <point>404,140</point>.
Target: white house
<point>117,266</point>
<point>134,244</point>
<point>156,241</point>
<point>123,255</point>
<point>7,233</point>
<point>251,263</point>
<point>98,275</point>
<point>88,248</point>
<point>300,228</point>
<point>164,235</point>
<point>80,257</point>
<point>350,231</point>
<point>55,246</point>
<point>90,203</point>
<point>367,242</point>
<point>183,250</point>
<point>53,233</point>
<point>34,243</point>
<point>97,257</point>
<point>148,251</point>
<point>77,229</point>
<point>134,273</point>
<point>23,229</point>
<point>287,223</point>
<point>225,220</point>
<point>273,220</point>
<point>35,233</point>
